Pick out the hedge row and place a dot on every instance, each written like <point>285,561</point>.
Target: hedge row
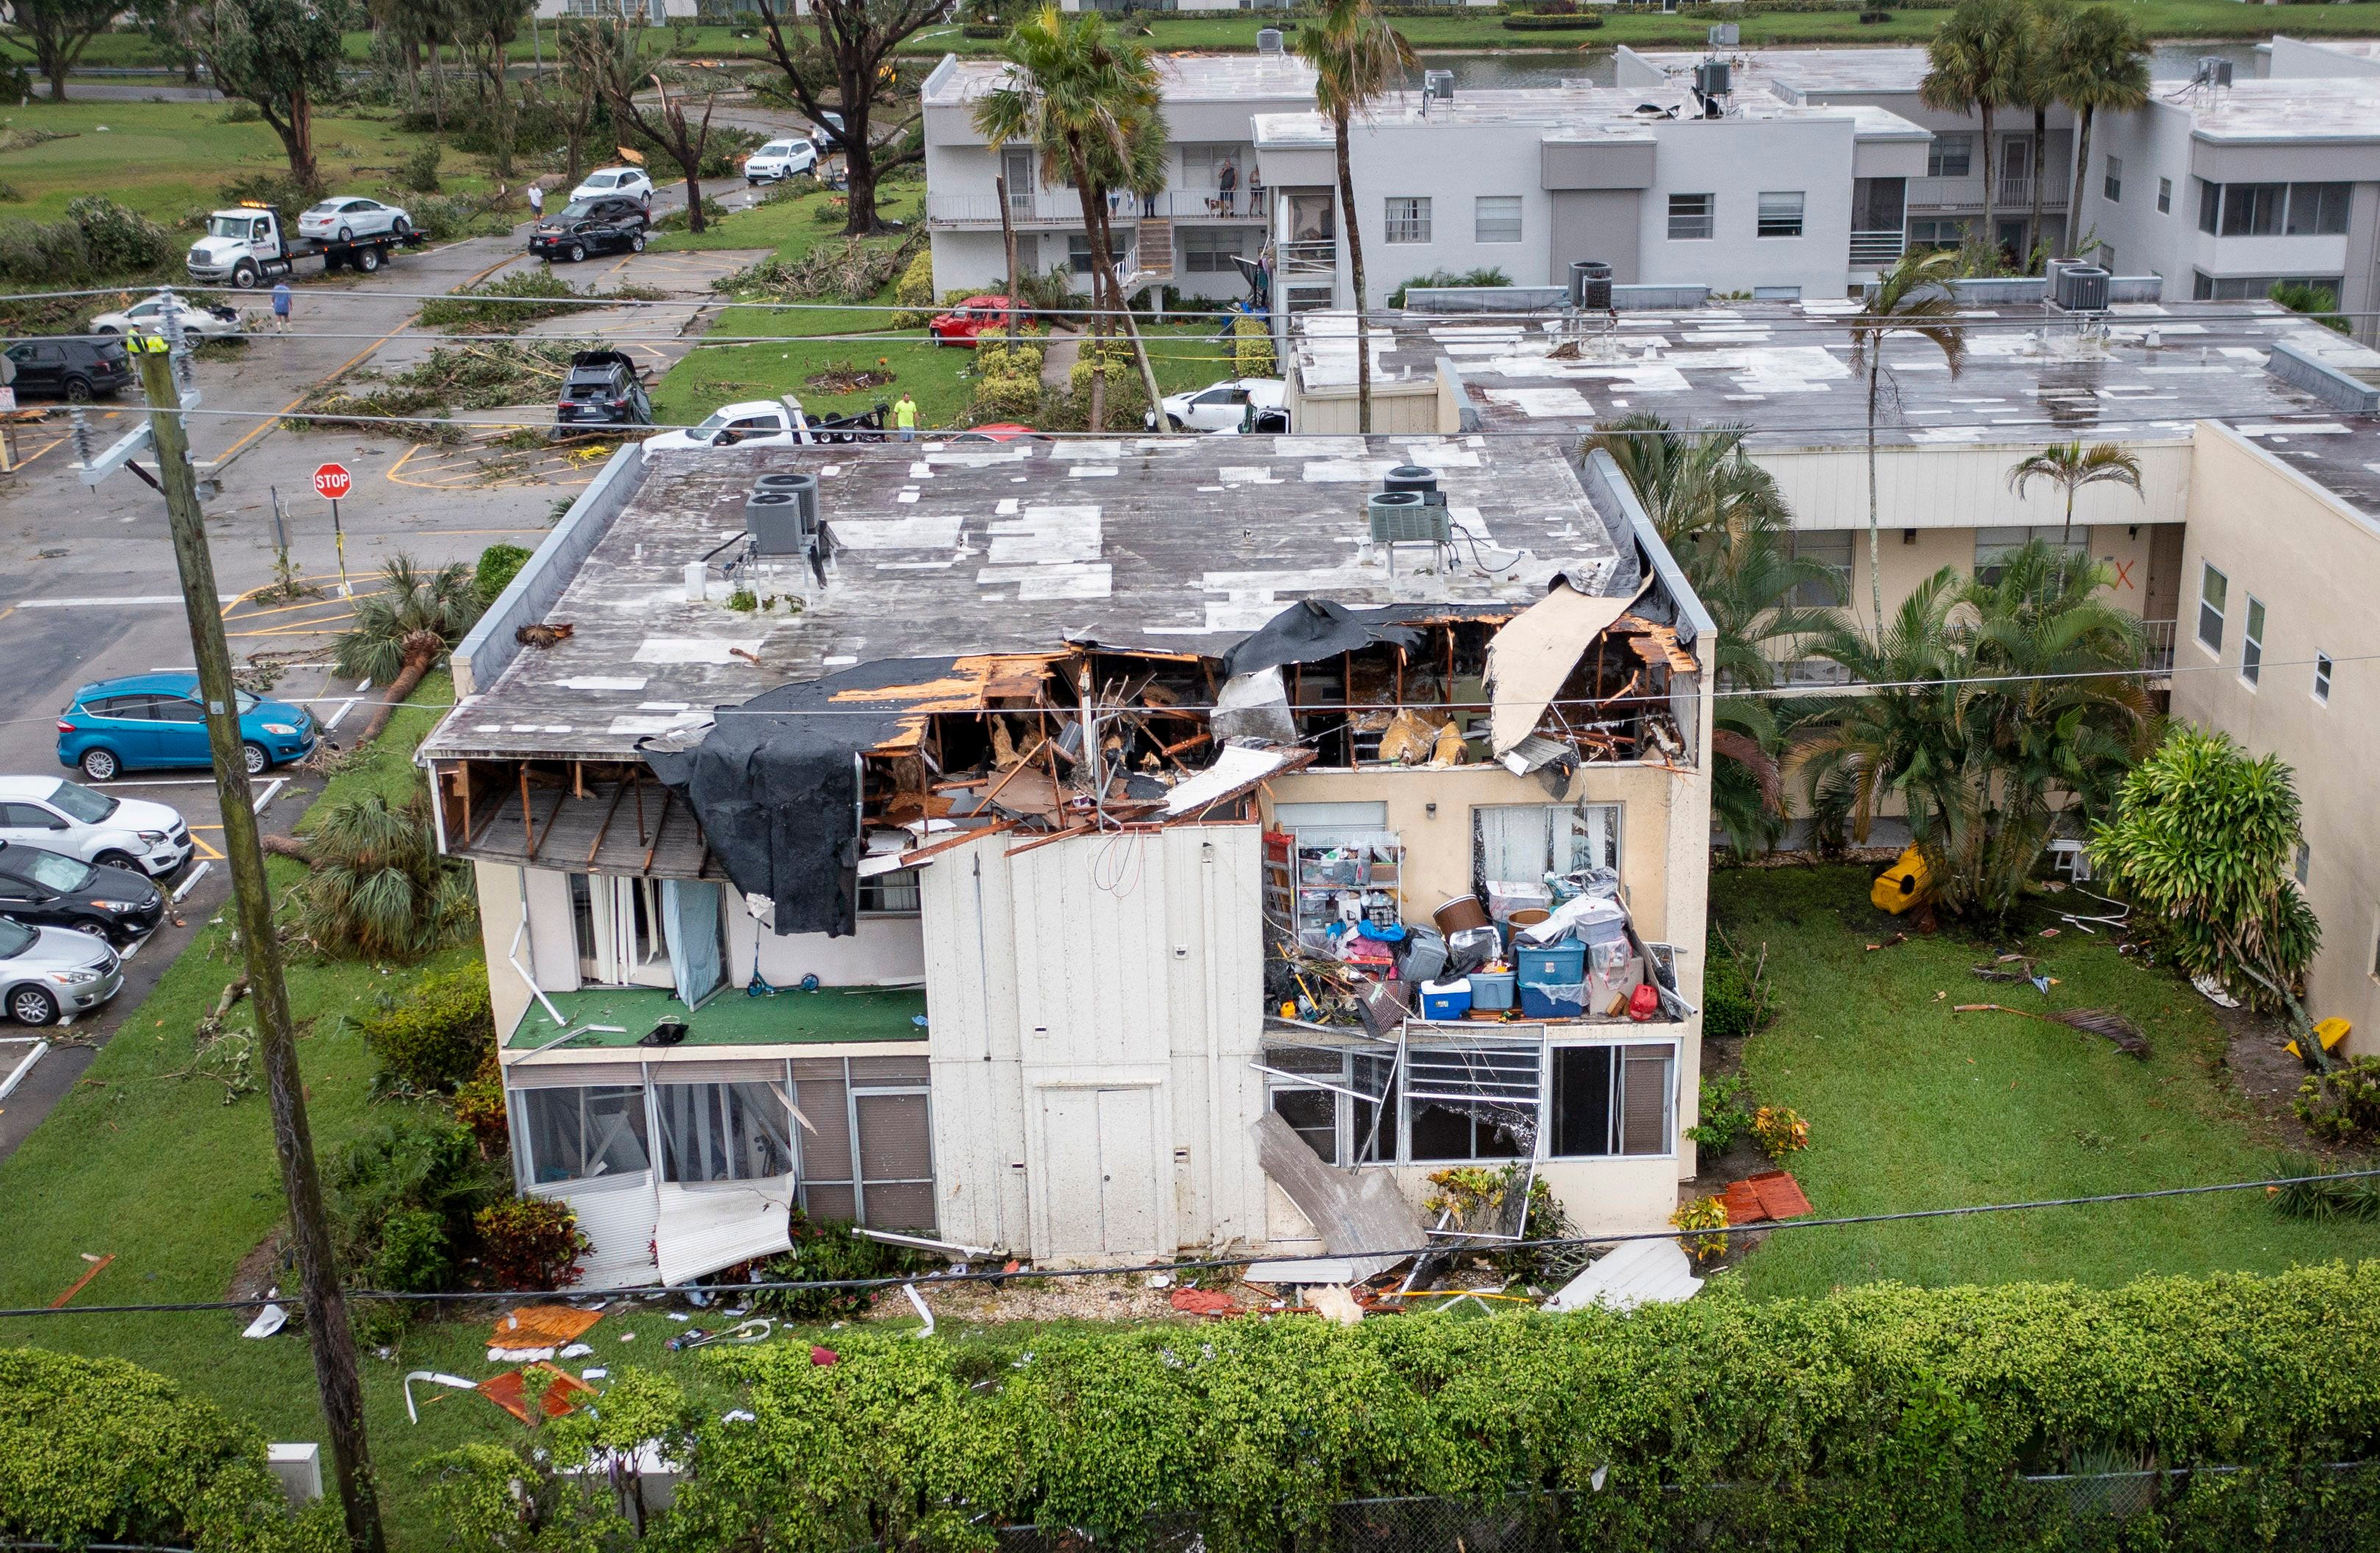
<point>100,1450</point>
<point>1553,23</point>
<point>1883,1417</point>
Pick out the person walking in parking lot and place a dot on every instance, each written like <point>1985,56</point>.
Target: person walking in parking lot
<point>904,417</point>
<point>536,201</point>
<point>281,306</point>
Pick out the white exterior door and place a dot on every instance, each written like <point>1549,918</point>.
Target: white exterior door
<point>1099,1175</point>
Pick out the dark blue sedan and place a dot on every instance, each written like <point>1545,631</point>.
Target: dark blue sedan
<point>148,721</point>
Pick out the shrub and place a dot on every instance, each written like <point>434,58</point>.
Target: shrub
<point>1127,398</point>
<point>38,253</point>
<point>1022,359</point>
<point>377,886</point>
<point>100,1450</point>
<point>798,187</point>
<point>268,187</point>
<point>525,296</point>
<point>480,1105</point>
<point>1476,1196</point>
<point>498,565</point>
<point>1702,1213</point>
<point>1252,352</point>
<point>1781,1130</point>
<point>1728,1009</point>
<point>2316,301</point>
<point>1555,23</point>
<point>401,1200</point>
<point>914,292</point>
<point>242,110</point>
<point>119,241</point>
<point>1008,398</point>
<point>2343,1105</point>
<point>10,194</point>
<point>420,170</point>
<point>1486,276</point>
<point>439,1036</point>
<point>441,218</point>
<point>1725,1117</point>
<point>529,1242</point>
<point>823,1251</point>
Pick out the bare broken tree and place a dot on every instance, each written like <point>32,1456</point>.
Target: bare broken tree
<point>612,55</point>
<point>838,59</point>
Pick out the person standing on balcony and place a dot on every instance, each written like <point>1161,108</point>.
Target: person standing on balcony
<point>1255,191</point>
<point>1227,183</point>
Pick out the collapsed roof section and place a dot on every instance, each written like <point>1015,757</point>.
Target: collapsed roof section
<point>1037,638</point>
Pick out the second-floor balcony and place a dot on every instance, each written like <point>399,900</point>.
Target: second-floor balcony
<point>2013,193</point>
<point>1063,208</point>
<point>1877,248</point>
<point>1318,257</point>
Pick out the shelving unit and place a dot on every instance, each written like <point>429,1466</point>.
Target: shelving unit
<point>1327,868</point>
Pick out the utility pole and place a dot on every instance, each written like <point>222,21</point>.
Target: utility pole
<point>326,1311</point>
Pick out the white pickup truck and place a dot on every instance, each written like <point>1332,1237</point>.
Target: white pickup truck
<point>250,244</point>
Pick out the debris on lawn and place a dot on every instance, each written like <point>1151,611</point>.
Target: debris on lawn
<point>1771,1194</point>
<point>1639,1272</point>
<point>2212,991</point>
<point>455,1382</point>
<point>1203,1302</point>
<point>98,1265</point>
<point>534,1332</point>
<point>269,1320</point>
<point>510,1391</point>
<point>2091,1021</point>
<point>843,377</point>
<point>481,375</point>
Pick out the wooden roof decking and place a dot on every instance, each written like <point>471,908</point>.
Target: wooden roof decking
<point>638,827</point>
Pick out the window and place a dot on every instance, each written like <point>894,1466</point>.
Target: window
<point>1936,233</point>
<point>1525,841</point>
<point>1690,216</point>
<point>2112,184</point>
<point>1079,252</point>
<point>2235,288</point>
<point>1830,547</point>
<point>1208,250</point>
<point>1202,163</point>
<point>28,817</point>
<point>866,1152</point>
<point>1993,545</point>
<point>1780,213</point>
<point>1408,219</point>
<point>1950,156</point>
<point>889,894</point>
<point>2303,863</point>
<point>577,1135</point>
<point>723,1132</point>
<point>2214,588</point>
<point>1612,1099</point>
<point>2252,209</point>
<point>2322,677</point>
<point>618,926</point>
<point>1496,218</point>
<point>2165,196</point>
<point>2252,642</point>
<point>2316,210</point>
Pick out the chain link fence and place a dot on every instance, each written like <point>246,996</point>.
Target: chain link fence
<point>2333,1509</point>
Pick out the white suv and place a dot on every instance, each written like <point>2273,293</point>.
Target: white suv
<point>627,183</point>
<point>780,159</point>
<point>101,829</point>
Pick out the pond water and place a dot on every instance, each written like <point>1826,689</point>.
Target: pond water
<point>1594,65</point>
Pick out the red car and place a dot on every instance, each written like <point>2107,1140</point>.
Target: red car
<point>1001,431</point>
<point>974,317</point>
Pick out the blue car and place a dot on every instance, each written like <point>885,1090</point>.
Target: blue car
<point>148,721</point>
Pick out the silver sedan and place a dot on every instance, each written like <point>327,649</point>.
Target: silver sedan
<point>47,973</point>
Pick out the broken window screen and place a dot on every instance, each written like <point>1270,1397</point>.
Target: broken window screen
<point>1312,1114</point>
<point>723,1132</point>
<point>1467,1100</point>
<point>1345,1123</point>
<point>577,1135</point>
<point>1612,1099</point>
<point>1522,842</point>
<point>828,1189</point>
<point>896,1160</point>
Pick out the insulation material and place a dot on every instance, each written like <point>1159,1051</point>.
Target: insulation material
<point>1358,1213</point>
<point>702,1228</point>
<point>1530,657</point>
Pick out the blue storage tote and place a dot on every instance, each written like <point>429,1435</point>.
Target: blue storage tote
<point>1553,979</point>
<point>1491,991</point>
<point>1445,1000</point>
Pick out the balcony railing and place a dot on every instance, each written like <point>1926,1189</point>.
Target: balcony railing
<point>1319,258</point>
<point>1877,248</point>
<point>1063,207</point>
<point>2013,194</point>
<point>2157,645</point>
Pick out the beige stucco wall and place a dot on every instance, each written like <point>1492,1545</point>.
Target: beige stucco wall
<point>2311,559</point>
<point>499,891</point>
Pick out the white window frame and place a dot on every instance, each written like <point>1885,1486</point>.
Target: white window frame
<point>1498,227</point>
<point>1685,218</point>
<point>1406,218</point>
<point>2252,643</point>
<point>2111,181</point>
<point>613,959</point>
<point>2164,197</point>
<point>1583,819</point>
<point>1783,214</point>
<point>895,892</point>
<point>2212,611</point>
<point>2323,669</point>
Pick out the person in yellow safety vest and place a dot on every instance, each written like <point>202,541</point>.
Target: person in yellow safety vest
<point>905,416</point>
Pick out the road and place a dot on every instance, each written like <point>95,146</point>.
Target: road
<point>89,589</point>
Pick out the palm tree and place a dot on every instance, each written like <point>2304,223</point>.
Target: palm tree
<point>2070,467</point>
<point>1972,62</point>
<point>401,632</point>
<point>1910,297</point>
<point>376,886</point>
<point>1087,100</point>
<point>2102,62</point>
<point>1986,706</point>
<point>2036,60</point>
<point>1357,57</point>
<point>1727,524</point>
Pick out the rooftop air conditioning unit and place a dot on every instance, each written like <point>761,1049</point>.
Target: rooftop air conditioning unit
<point>1725,34</point>
<point>1439,84</point>
<point>1590,285</point>
<point>1269,40</point>
<point>773,518</point>
<point>2082,289</point>
<point>1405,517</point>
<point>1710,78</point>
<point>2214,71</point>
<point>803,488</point>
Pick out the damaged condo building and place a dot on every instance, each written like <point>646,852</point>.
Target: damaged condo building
<point>1089,849</point>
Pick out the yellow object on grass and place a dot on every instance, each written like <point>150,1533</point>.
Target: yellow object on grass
<point>2330,1032</point>
<point>1900,886</point>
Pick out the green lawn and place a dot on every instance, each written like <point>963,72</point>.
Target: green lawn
<point>1912,1106</point>
<point>166,160</point>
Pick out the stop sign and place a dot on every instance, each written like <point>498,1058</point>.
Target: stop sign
<point>333,481</point>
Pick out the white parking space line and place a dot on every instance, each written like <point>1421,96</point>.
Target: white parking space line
<point>275,785</point>
<point>191,882</point>
<point>349,705</point>
<point>161,781</point>
<point>113,603</point>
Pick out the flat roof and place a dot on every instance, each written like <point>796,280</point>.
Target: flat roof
<point>1575,110</point>
<point>831,1015</point>
<point>1185,78</point>
<point>1180,544</point>
<point>2298,108</point>
<point>1784,371</point>
<point>1863,69</point>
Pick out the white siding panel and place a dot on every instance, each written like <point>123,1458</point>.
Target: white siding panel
<point>705,1228</point>
<point>1938,487</point>
<point>617,1216</point>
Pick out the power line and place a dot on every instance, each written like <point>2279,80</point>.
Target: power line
<point>1219,1263</point>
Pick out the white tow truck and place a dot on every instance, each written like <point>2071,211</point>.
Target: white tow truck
<point>251,243</point>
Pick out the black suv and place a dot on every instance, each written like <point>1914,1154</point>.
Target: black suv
<point>75,367</point>
<point>601,390</point>
<point>585,226</point>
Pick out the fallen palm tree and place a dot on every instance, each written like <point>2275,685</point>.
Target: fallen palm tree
<point>2101,1022</point>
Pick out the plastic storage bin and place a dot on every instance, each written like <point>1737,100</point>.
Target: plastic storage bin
<point>1553,980</point>
<point>1492,991</point>
<point>1446,1000</point>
